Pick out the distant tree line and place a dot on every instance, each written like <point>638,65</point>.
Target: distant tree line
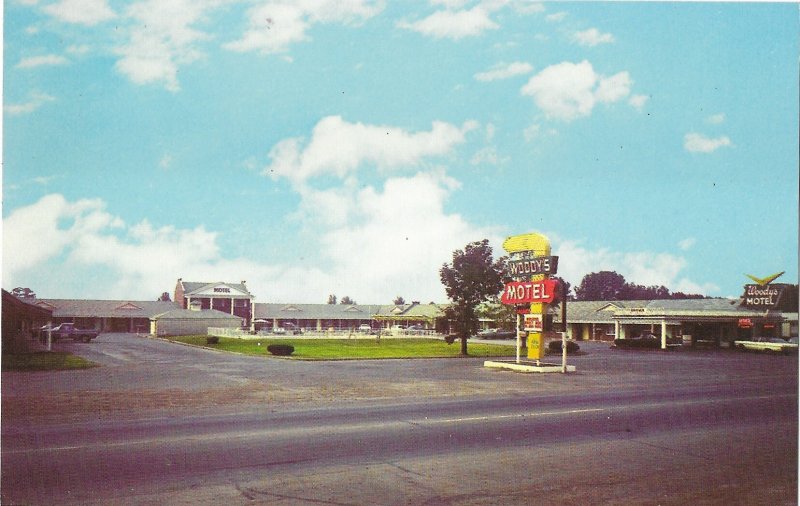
<point>610,285</point>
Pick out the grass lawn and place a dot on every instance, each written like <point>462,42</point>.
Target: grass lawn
<point>340,349</point>
<point>44,361</point>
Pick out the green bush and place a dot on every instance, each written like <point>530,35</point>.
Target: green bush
<point>282,350</point>
<point>212,340</point>
<point>555,346</point>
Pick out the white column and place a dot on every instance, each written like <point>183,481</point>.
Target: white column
<point>616,329</point>
<point>663,334</point>
<point>232,303</point>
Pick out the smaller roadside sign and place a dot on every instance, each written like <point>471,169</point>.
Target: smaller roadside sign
<point>534,323</point>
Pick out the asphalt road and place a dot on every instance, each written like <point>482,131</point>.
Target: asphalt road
<point>708,427</point>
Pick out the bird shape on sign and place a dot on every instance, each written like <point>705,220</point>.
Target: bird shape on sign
<point>767,280</point>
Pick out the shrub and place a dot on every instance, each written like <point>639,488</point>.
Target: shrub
<point>281,349</point>
<point>555,346</point>
<point>212,340</point>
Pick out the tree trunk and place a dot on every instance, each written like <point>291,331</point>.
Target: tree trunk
<point>464,345</point>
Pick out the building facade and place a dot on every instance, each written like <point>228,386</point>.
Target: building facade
<point>718,322</point>
<point>231,298</point>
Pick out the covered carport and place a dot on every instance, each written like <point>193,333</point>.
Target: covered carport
<point>716,322</point>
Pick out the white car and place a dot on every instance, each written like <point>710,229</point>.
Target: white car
<point>774,344</point>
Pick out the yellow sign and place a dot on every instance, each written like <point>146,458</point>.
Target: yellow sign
<point>534,245</point>
<point>538,244</point>
<point>767,280</point>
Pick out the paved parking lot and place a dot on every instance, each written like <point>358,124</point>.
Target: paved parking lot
<point>140,376</point>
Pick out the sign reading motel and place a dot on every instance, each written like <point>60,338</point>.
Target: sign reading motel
<point>529,292</point>
<point>762,296</point>
<point>527,267</point>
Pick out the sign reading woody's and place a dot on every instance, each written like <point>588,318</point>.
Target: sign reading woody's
<point>763,294</point>
<point>530,264</point>
<point>524,268</point>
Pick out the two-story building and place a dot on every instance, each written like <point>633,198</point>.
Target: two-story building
<point>231,298</point>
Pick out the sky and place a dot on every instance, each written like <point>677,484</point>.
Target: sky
<point>348,147</point>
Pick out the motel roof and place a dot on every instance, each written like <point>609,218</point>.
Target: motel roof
<point>609,311</point>
<point>78,308</point>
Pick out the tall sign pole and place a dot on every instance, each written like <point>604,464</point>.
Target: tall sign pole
<point>531,265</point>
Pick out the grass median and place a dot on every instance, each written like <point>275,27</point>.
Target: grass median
<point>344,349</point>
<point>44,361</point>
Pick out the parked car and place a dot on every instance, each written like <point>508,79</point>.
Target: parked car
<point>291,328</point>
<point>773,344</point>
<point>496,334</point>
<point>646,340</point>
<point>641,341</point>
<point>364,328</point>
<point>70,331</point>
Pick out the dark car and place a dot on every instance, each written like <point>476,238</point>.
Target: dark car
<point>496,334</point>
<point>641,341</point>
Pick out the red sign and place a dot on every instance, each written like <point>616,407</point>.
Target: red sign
<point>745,323</point>
<point>528,292</point>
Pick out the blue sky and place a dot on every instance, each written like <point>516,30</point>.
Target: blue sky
<point>348,147</point>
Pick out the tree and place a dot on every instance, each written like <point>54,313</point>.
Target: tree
<point>331,299</point>
<point>564,286</point>
<point>347,300</point>
<point>472,278</point>
<point>399,301</point>
<point>23,293</point>
<point>603,285</point>
<point>164,297</point>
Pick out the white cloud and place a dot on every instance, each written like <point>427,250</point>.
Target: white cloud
<point>166,161</point>
<point>638,101</point>
<point>686,244</point>
<point>453,24</point>
<point>716,119</point>
<point>162,38</point>
<point>35,101</point>
<point>84,240</point>
<point>528,7</point>
<point>699,143</point>
<point>592,37</point>
<point>487,156</point>
<point>567,91</point>
<point>556,17</point>
<point>78,49</point>
<point>40,61</point>
<point>395,240</point>
<point>339,148</point>
<point>639,267</point>
<point>504,71</point>
<point>275,25</point>
<point>82,12</point>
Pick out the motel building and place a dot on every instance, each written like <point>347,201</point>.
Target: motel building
<point>704,322</point>
<point>200,305</point>
<point>230,298</point>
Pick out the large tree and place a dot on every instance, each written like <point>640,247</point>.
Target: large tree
<point>472,278</point>
<point>347,300</point>
<point>603,285</point>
